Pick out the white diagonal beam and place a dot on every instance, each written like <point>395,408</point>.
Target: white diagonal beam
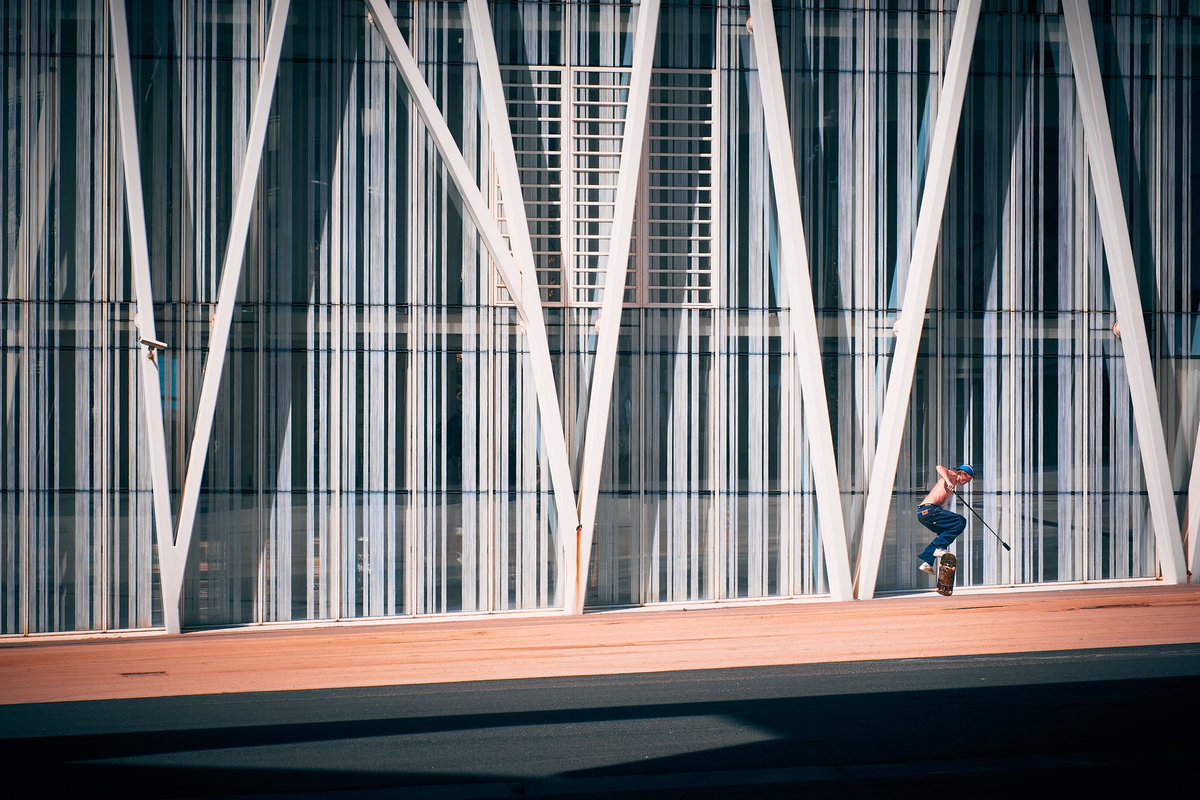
<point>609,320</point>
<point>1193,514</point>
<point>1118,248</point>
<point>916,297</point>
<point>140,261</point>
<point>231,273</point>
<point>505,159</point>
<point>476,208</point>
<point>504,154</point>
<point>795,269</point>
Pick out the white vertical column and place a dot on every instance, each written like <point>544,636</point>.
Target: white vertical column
<point>616,268</point>
<point>475,205</point>
<point>231,273</point>
<point>916,297</point>
<point>140,260</point>
<point>505,159</point>
<point>1193,514</point>
<point>794,268</point>
<point>1118,249</point>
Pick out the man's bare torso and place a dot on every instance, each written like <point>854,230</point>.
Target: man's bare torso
<point>939,494</point>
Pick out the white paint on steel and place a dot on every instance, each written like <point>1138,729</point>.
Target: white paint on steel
<point>795,271</point>
<point>890,431</point>
<point>475,205</point>
<point>609,320</point>
<point>505,159</point>
<point>1118,249</point>
<point>1193,514</point>
<point>171,568</point>
<point>231,272</point>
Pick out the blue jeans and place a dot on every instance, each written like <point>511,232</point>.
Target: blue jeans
<point>946,524</point>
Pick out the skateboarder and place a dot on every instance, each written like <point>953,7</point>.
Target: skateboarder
<point>932,514</point>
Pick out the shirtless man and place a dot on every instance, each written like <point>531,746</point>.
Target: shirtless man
<point>932,514</point>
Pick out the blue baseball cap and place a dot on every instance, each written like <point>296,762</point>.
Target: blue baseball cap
<point>967,468</point>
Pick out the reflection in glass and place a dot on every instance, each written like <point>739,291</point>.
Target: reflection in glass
<point>377,449</point>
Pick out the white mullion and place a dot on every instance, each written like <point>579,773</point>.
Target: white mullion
<point>393,397</point>
<point>692,488</point>
<point>795,272</point>
<point>487,483</point>
<point>609,320</point>
<point>1119,251</point>
<point>411,484</point>
<point>1009,429</point>
<point>510,519</point>
<point>1192,525</point>
<point>756,416</point>
<point>475,205</point>
<point>413,251</point>
<point>716,386</point>
<point>1082,555</point>
<point>864,367</point>
<point>916,298</point>
<point>678,460</point>
<point>85,248</point>
<point>380,355</point>
<point>791,478</point>
<point>263,602</point>
<point>32,220</point>
<point>311,496</point>
<point>170,566</point>
<point>335,449</point>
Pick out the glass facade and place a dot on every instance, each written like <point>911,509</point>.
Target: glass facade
<point>377,449</point>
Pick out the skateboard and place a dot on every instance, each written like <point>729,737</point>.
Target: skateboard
<point>947,563</point>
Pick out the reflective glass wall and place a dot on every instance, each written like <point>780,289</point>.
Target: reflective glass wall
<point>1020,371</point>
<point>376,449</point>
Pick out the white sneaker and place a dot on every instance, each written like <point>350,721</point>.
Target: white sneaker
<point>925,567</point>
<point>941,551</point>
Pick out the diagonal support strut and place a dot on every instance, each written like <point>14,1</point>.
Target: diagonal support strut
<point>796,274</point>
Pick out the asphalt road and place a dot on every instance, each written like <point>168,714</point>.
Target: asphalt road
<point>1041,724</point>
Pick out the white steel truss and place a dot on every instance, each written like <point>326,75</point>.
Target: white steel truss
<point>231,273</point>
<point>1192,524</point>
<point>173,550</point>
<point>795,269</point>
<point>890,429</point>
<point>609,321</point>
<point>521,281</point>
<point>1118,248</point>
<point>1119,251</point>
<point>164,534</point>
<point>526,292</point>
<point>516,261</point>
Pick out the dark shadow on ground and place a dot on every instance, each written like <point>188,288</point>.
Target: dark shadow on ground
<point>987,741</point>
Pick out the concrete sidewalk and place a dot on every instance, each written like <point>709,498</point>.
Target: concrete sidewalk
<point>53,669</point>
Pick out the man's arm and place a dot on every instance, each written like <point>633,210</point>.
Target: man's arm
<point>947,475</point>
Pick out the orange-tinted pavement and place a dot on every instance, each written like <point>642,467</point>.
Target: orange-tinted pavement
<point>275,659</point>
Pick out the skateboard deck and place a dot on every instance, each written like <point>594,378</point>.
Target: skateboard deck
<point>947,563</point>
